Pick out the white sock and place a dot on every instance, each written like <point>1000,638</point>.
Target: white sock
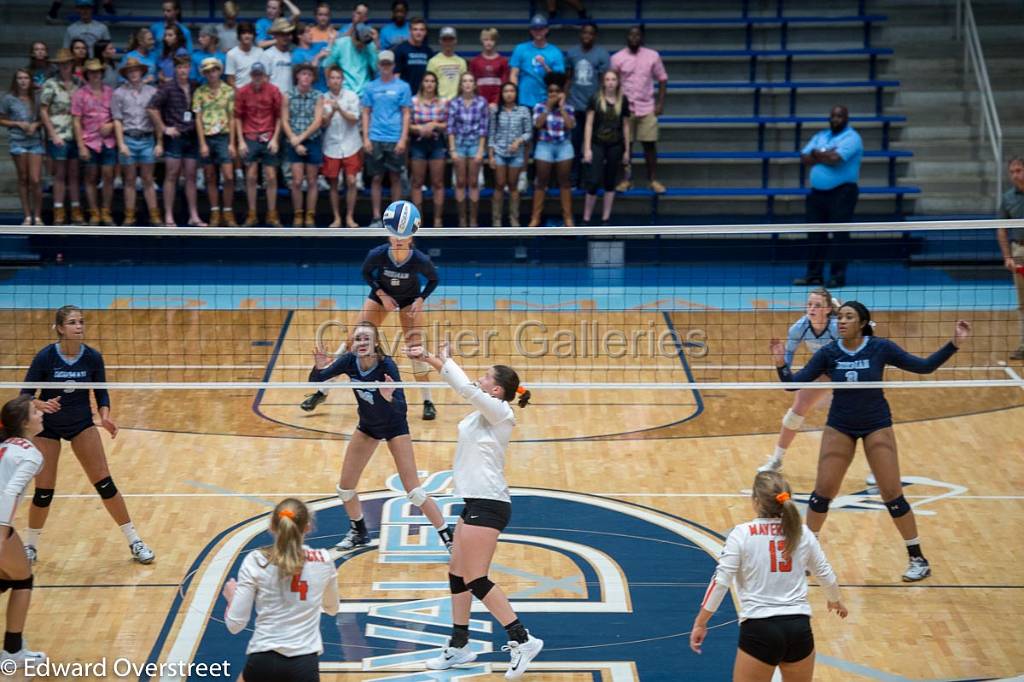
<point>56,205</point>
<point>32,536</point>
<point>780,452</point>
<point>130,534</point>
<point>214,208</point>
<point>912,541</point>
<point>426,393</point>
<point>75,204</point>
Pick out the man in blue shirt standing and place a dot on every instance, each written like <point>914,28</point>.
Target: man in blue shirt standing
<point>834,157</point>
<point>387,103</point>
<point>533,60</point>
<point>585,64</point>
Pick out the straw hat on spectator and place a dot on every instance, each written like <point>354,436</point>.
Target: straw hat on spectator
<point>281,25</point>
<point>132,63</point>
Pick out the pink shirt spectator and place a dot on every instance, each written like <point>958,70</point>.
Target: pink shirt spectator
<point>95,113</point>
<point>639,72</point>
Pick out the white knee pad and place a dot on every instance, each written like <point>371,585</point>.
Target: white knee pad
<point>417,496</point>
<point>792,420</point>
<point>420,367</point>
<point>344,495</point>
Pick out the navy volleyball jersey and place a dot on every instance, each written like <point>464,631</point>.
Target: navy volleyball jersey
<point>374,411</point>
<point>50,365</point>
<point>400,281</point>
<point>863,410</point>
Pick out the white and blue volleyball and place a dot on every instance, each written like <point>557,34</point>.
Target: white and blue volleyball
<point>402,219</point>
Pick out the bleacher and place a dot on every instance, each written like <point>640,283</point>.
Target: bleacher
<point>749,83</point>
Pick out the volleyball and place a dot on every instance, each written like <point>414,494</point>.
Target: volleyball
<point>402,219</point>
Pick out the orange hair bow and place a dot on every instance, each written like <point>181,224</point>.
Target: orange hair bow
<point>521,390</point>
<point>287,513</point>
<point>782,497</point>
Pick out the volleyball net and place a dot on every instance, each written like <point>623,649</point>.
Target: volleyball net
<point>579,308</point>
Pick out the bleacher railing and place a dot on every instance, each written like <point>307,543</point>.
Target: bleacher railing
<point>966,30</point>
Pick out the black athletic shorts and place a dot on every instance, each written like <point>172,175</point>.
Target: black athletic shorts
<point>270,666</point>
<point>55,432</point>
<point>402,302</point>
<point>779,639</point>
<point>399,427</point>
<point>861,432</point>
<point>488,513</point>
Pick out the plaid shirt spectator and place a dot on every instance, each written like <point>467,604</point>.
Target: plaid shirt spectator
<point>467,122</point>
<point>426,112</point>
<point>508,125</point>
<point>172,102</point>
<point>302,110</point>
<point>129,107</point>
<point>554,130</point>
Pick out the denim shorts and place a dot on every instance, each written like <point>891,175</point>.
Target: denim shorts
<point>141,149</point>
<point>184,146</point>
<point>69,152</point>
<point>259,152</point>
<point>467,148</point>
<point>33,147</point>
<point>510,160</point>
<point>427,149</point>
<point>106,156</point>
<point>314,152</point>
<point>217,145</point>
<point>553,152</point>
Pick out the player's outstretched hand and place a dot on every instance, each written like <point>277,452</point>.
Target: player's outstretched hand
<point>50,406</point>
<point>320,357</point>
<point>778,350</point>
<point>444,351</point>
<point>838,607</point>
<point>697,635</point>
<point>387,393</point>
<point>962,332</point>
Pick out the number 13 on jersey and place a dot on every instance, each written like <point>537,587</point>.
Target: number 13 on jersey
<point>776,551</point>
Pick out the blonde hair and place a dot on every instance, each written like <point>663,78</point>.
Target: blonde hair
<point>489,33</point>
<point>602,102</point>
<point>288,524</point>
<point>830,301</point>
<point>772,493</point>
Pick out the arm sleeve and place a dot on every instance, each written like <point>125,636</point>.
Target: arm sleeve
<point>237,616</point>
<point>849,147</point>
<point>728,565</point>
<point>492,127</point>
<point>493,410</point>
<point>816,366</point>
<point>100,374</point>
<point>659,70</point>
<point>793,340</point>
<point>897,357</point>
<point>818,564</point>
<point>19,480</point>
<point>430,272</point>
<point>369,272</point>
<point>336,368</point>
<point>36,372</point>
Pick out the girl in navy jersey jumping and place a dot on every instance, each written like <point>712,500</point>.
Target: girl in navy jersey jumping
<point>393,272</point>
<point>382,416</point>
<point>67,415</point>
<point>864,413</point>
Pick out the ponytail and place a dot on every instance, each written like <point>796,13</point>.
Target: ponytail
<point>773,494</point>
<point>508,379</point>
<point>288,524</point>
<point>13,416</point>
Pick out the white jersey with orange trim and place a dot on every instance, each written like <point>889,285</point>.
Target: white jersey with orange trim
<point>765,582</point>
<point>287,608</point>
<point>20,461</point>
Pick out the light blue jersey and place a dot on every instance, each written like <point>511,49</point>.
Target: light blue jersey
<point>803,332</point>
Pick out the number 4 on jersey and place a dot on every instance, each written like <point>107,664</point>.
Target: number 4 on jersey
<point>302,587</point>
<point>777,552</point>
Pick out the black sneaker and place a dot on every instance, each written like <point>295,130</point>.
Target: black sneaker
<point>312,400</point>
<point>429,413</point>
<point>353,539</point>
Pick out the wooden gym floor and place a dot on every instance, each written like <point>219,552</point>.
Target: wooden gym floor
<point>200,466</point>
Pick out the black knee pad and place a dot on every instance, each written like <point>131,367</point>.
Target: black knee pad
<point>898,507</point>
<point>25,584</point>
<point>42,497</point>
<point>480,587</point>
<point>457,584</point>
<point>818,503</point>
<point>106,488</point>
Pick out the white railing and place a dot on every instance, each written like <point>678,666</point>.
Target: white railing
<point>966,30</point>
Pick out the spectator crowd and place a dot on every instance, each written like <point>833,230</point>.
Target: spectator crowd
<point>324,106</point>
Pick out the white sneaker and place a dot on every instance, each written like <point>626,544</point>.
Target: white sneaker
<point>31,554</point>
<point>774,463</point>
<point>142,553</point>
<point>20,658</point>
<point>118,182</point>
<point>521,655</point>
<point>451,656</point>
<point>322,184</point>
<point>917,569</point>
<point>871,480</point>
<point>201,181</point>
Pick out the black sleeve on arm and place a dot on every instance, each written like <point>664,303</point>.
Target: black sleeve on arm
<point>430,272</point>
<point>334,369</point>
<point>369,268</point>
<point>897,357</point>
<point>100,374</point>
<point>815,367</point>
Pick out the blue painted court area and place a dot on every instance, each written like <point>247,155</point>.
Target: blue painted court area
<point>737,286</point>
